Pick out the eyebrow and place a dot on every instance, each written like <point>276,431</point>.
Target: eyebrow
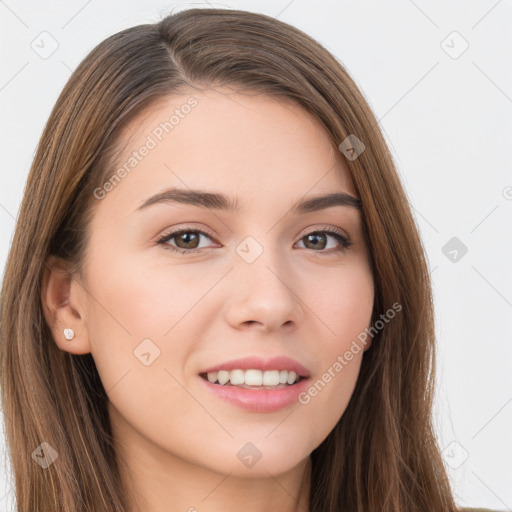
<point>217,201</point>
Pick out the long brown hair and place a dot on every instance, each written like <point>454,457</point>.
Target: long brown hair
<point>382,455</point>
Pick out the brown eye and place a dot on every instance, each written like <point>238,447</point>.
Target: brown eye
<point>318,241</point>
<point>185,240</point>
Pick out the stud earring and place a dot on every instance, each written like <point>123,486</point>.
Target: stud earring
<point>69,334</point>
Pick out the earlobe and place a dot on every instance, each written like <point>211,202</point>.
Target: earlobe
<point>61,303</point>
<point>69,334</point>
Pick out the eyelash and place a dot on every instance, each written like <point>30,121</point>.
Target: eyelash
<point>345,243</point>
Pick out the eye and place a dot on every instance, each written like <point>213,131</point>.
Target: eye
<point>187,240</point>
<point>317,240</point>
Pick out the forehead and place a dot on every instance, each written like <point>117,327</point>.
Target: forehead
<point>246,144</point>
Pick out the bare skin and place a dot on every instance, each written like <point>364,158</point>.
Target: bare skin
<point>301,297</point>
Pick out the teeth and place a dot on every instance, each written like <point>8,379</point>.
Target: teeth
<point>222,377</point>
<point>271,378</point>
<point>291,377</point>
<point>237,377</point>
<point>253,377</point>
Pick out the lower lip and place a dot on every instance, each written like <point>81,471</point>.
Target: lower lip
<point>259,400</point>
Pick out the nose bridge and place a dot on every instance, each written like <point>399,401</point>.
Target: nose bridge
<point>262,291</point>
<point>261,257</point>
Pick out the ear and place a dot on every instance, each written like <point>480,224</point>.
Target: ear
<point>367,343</point>
<point>64,300</point>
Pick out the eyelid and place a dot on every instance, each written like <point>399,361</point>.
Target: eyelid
<point>325,227</point>
<point>188,225</point>
<point>306,231</point>
<point>334,231</point>
<point>179,229</point>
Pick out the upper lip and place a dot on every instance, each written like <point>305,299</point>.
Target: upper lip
<point>263,364</point>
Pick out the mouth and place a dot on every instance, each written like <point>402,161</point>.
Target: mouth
<point>254,371</point>
<point>253,378</point>
<point>255,390</point>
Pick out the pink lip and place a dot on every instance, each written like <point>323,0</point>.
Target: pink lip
<point>257,363</point>
<point>259,400</point>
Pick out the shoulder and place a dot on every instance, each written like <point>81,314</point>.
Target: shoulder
<point>476,510</point>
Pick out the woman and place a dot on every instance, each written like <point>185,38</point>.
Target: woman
<point>228,298</point>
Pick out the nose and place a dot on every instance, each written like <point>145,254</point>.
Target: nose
<point>263,295</point>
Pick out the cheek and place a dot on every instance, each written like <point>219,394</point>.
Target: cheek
<point>139,299</point>
<point>145,313</point>
<point>345,308</point>
<point>328,395</point>
<point>343,301</point>
<point>175,306</point>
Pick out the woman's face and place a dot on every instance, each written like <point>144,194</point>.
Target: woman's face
<point>237,284</point>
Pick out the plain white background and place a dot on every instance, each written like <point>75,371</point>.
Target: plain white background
<point>439,79</point>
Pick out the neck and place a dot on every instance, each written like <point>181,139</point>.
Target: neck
<point>190,488</point>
